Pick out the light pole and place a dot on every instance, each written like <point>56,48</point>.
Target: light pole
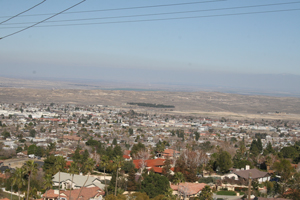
<point>249,187</point>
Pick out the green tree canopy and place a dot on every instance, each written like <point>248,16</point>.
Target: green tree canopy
<point>5,134</point>
<point>269,149</point>
<point>154,185</point>
<point>289,152</point>
<point>206,194</point>
<point>32,133</point>
<point>136,148</point>
<point>31,149</point>
<point>224,161</point>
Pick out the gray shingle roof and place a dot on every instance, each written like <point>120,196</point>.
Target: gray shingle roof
<point>255,173</point>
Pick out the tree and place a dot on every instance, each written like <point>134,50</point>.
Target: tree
<point>76,157</point>
<point>31,149</point>
<point>47,182</point>
<point>136,148</point>
<point>18,179</point>
<point>128,166</point>
<point>131,184</point>
<point>206,194</point>
<point>130,131</point>
<point>154,185</point>
<point>166,168</point>
<point>30,169</point>
<point>117,163</point>
<point>269,149</point>
<point>285,170</point>
<point>259,145</point>
<point>5,134</point>
<point>289,152</point>
<point>117,151</point>
<point>224,161</point>
<point>49,164</point>
<point>177,179</point>
<point>105,162</point>
<point>72,170</point>
<point>114,142</point>
<point>32,133</point>
<point>254,148</point>
<point>294,185</point>
<point>60,164</point>
<point>197,135</point>
<point>189,162</point>
<point>88,168</point>
<point>19,149</point>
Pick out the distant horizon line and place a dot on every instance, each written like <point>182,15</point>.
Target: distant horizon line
<point>89,84</point>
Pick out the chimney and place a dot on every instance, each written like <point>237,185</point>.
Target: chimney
<point>56,191</point>
<point>247,167</point>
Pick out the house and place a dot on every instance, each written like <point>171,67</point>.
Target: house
<point>170,153</point>
<point>5,199</point>
<point>152,164</point>
<point>78,181</point>
<point>71,138</point>
<point>93,193</point>
<point>188,189</point>
<point>255,174</point>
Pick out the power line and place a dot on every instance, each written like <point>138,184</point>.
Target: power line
<point>128,8</point>
<point>173,18</point>
<point>42,20</point>
<point>167,13</point>
<point>22,12</point>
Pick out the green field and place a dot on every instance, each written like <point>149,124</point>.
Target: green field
<point>231,193</point>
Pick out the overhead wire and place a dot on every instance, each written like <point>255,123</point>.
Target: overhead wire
<point>176,18</point>
<point>128,8</point>
<point>42,20</point>
<point>166,13</point>
<point>173,18</point>
<point>22,12</point>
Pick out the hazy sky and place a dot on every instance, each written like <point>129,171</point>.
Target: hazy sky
<point>215,41</point>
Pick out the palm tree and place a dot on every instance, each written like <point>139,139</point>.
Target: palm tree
<point>118,163</point>
<point>30,168</point>
<point>72,170</point>
<point>88,168</point>
<point>60,164</point>
<point>105,163</point>
<point>47,183</point>
<point>18,179</point>
<point>178,178</point>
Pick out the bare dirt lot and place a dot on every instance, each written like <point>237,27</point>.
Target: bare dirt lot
<point>186,103</point>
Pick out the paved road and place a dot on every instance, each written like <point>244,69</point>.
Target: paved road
<point>227,197</point>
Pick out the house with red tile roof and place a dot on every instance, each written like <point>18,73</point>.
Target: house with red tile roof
<point>86,194</point>
<point>170,153</point>
<point>71,137</point>
<point>152,164</point>
<point>188,189</point>
<point>5,199</point>
<point>127,158</point>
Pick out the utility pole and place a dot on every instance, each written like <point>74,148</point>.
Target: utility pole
<point>249,187</point>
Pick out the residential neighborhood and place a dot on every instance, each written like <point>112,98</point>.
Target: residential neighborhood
<point>97,151</point>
